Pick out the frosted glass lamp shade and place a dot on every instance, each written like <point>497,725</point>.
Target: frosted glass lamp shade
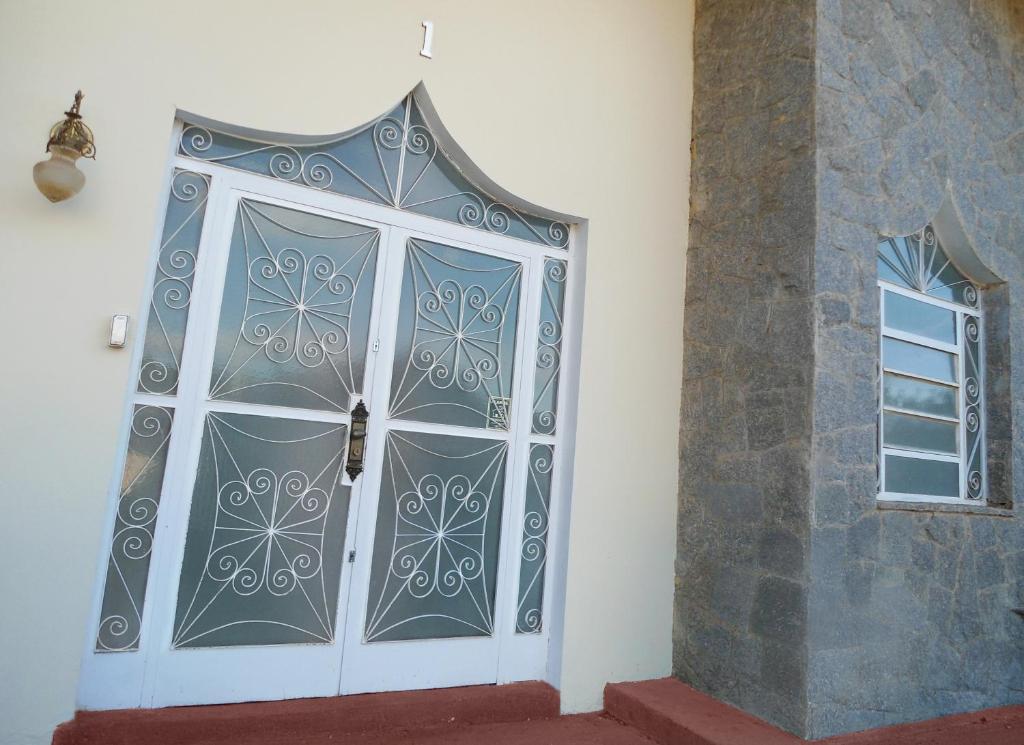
<point>58,178</point>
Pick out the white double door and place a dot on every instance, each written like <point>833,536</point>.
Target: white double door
<point>276,573</point>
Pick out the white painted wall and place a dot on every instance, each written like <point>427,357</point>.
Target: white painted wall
<point>578,105</point>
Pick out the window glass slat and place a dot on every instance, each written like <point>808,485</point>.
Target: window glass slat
<point>923,319</point>
<point>919,360</point>
<point>918,395</point>
<point>934,478</point>
<point>918,433</point>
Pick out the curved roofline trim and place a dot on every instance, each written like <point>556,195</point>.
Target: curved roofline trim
<point>446,143</point>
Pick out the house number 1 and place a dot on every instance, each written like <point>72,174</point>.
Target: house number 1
<point>428,39</point>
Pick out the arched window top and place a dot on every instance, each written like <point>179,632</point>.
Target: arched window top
<point>404,159</point>
<point>919,262</point>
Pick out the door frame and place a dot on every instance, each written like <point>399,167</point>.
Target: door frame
<point>124,679</point>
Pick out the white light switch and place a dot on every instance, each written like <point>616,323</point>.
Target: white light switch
<point>118,331</point>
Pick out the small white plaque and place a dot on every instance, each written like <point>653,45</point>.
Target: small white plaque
<point>118,331</point>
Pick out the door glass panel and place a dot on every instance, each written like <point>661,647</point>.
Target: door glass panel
<point>456,338</point>
<point>533,551</point>
<point>263,552</point>
<point>924,319</point>
<point>128,565</point>
<point>918,433</point>
<point>919,395</point>
<point>937,478</point>
<point>295,317</point>
<point>435,554</point>
<point>172,283</point>
<point>549,347</point>
<point>918,360</point>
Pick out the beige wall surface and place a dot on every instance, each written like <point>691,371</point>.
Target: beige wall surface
<point>582,106</point>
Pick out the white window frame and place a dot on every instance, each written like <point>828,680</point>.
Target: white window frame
<point>957,349</point>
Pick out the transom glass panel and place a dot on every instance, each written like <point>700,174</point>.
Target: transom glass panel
<point>918,262</point>
<point>397,160</point>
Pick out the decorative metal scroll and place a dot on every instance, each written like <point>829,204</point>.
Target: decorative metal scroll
<point>435,555</point>
<point>974,482</point>
<point>395,160</point>
<point>533,552</point>
<point>549,347</point>
<point>263,552</point>
<point>295,316</point>
<point>128,566</point>
<point>172,284</point>
<point>918,262</point>
<point>455,348</point>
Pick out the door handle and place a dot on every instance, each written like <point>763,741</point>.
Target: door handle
<point>356,440</point>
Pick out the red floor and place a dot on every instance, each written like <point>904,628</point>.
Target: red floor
<point>654,711</point>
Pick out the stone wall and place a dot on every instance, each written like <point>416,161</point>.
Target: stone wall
<point>909,612</point>
<point>739,631</point>
<point>820,125</point>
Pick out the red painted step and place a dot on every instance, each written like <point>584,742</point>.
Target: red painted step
<point>672,713</point>
<point>370,718</point>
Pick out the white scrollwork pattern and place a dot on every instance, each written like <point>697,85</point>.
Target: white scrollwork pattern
<point>549,347</point>
<point>261,563</point>
<point>918,262</point>
<point>124,593</point>
<point>272,552</point>
<point>172,284</point>
<point>972,408</point>
<point>435,558</point>
<point>297,302</point>
<point>459,314</point>
<point>395,160</point>
<point>534,545</point>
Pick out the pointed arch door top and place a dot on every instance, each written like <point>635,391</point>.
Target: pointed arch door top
<point>404,159</point>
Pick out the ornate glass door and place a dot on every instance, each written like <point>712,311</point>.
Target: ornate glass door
<point>426,602</point>
<point>248,560</point>
<point>251,608</point>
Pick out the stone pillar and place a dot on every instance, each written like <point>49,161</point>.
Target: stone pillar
<point>741,587</point>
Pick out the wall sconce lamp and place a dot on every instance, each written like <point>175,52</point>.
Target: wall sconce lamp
<point>58,178</point>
